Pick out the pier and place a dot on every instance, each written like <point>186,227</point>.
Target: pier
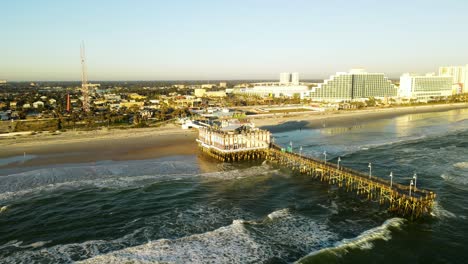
<point>249,144</point>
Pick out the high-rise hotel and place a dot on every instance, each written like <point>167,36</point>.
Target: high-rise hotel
<point>459,77</point>
<point>425,87</point>
<point>354,85</point>
<point>287,78</point>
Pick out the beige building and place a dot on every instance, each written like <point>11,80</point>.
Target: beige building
<point>130,104</point>
<point>204,93</point>
<point>136,96</point>
<point>207,86</point>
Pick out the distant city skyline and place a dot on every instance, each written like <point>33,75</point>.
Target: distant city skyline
<point>228,40</point>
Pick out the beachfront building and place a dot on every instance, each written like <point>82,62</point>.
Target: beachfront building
<point>459,76</point>
<point>425,87</point>
<point>233,137</point>
<point>288,86</point>
<point>354,85</point>
<point>271,90</point>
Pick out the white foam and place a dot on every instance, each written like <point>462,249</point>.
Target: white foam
<point>3,209</point>
<point>362,242</point>
<point>119,175</point>
<point>461,165</point>
<point>186,222</point>
<point>455,177</point>
<point>240,242</point>
<point>440,212</point>
<point>278,214</point>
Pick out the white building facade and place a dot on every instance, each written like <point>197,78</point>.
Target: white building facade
<point>425,87</point>
<point>287,78</point>
<point>459,76</point>
<point>300,91</point>
<point>356,84</point>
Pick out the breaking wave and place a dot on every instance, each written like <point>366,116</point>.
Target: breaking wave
<point>461,165</point>
<point>177,224</point>
<point>362,242</point>
<point>241,242</point>
<point>118,175</point>
<point>440,212</point>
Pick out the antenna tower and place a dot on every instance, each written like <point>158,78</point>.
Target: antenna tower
<point>84,80</point>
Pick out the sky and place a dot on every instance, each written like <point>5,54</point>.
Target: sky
<point>225,40</point>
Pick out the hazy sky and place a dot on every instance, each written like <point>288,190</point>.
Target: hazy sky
<point>171,39</point>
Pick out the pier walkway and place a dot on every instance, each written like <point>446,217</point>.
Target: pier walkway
<point>255,144</point>
<point>395,196</point>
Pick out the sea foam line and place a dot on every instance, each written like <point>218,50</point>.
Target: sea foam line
<point>241,242</point>
<point>364,241</point>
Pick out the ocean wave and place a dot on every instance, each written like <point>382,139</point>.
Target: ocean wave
<point>263,169</point>
<point>180,223</point>
<point>455,177</point>
<point>119,175</point>
<point>362,242</point>
<point>439,212</point>
<point>461,165</point>
<point>403,141</point>
<point>241,242</point>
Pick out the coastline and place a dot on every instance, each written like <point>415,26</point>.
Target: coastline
<point>293,121</point>
<point>93,146</point>
<point>145,143</point>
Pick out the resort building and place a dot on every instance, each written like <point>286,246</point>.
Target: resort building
<point>425,87</point>
<point>459,76</point>
<point>267,90</point>
<point>288,86</point>
<point>354,85</point>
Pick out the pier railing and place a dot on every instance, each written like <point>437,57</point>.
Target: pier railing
<point>395,195</point>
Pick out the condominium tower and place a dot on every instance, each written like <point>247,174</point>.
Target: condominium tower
<point>356,84</point>
<point>459,77</point>
<point>287,78</point>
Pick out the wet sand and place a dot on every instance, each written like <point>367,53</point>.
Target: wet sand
<point>83,147</point>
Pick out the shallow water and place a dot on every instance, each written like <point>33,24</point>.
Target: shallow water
<point>193,209</point>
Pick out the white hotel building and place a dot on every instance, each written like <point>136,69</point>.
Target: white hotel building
<point>425,87</point>
<point>288,86</point>
<point>357,84</point>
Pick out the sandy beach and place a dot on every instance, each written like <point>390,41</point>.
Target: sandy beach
<point>146,143</point>
<point>90,146</point>
<point>291,121</point>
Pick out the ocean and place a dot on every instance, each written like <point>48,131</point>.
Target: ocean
<point>192,209</point>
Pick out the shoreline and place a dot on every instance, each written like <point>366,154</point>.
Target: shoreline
<point>282,123</point>
<point>45,149</point>
<point>93,146</point>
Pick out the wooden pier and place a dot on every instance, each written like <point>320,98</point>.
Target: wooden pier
<point>396,197</point>
<point>255,144</point>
